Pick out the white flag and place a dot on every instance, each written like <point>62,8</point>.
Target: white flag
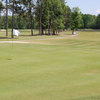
<point>16,32</point>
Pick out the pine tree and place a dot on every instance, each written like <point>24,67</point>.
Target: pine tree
<point>6,18</point>
<point>1,8</point>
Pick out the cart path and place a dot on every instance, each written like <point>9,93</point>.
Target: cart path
<point>13,42</point>
<point>33,41</point>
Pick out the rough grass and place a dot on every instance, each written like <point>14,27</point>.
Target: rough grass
<point>68,69</point>
<point>26,35</point>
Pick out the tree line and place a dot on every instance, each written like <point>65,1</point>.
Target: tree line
<point>49,16</point>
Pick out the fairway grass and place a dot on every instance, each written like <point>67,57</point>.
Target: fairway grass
<point>62,69</point>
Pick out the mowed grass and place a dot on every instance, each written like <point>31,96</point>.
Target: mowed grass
<point>61,69</point>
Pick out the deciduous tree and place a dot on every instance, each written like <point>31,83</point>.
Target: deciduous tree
<point>75,19</point>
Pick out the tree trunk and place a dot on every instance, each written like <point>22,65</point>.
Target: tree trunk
<point>31,25</point>
<point>13,18</point>
<point>40,22</point>
<point>50,29</point>
<point>31,31</point>
<point>58,31</point>
<point>31,19</point>
<point>0,20</point>
<point>6,18</point>
<point>72,32</point>
<point>53,32</point>
<point>42,31</point>
<point>48,19</point>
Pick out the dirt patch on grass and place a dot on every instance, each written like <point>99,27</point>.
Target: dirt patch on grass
<point>92,72</point>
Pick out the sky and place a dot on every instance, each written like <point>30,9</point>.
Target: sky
<point>86,6</point>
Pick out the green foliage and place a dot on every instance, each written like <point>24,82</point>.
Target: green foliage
<point>68,18</point>
<point>20,22</point>
<point>53,14</point>
<point>76,18</point>
<point>98,22</point>
<point>1,6</point>
<point>88,20</point>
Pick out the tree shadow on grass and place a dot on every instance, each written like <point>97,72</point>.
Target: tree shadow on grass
<point>40,35</point>
<point>88,98</point>
<point>5,38</point>
<point>30,35</point>
<point>91,30</point>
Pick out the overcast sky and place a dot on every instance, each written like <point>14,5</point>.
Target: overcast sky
<point>86,6</point>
